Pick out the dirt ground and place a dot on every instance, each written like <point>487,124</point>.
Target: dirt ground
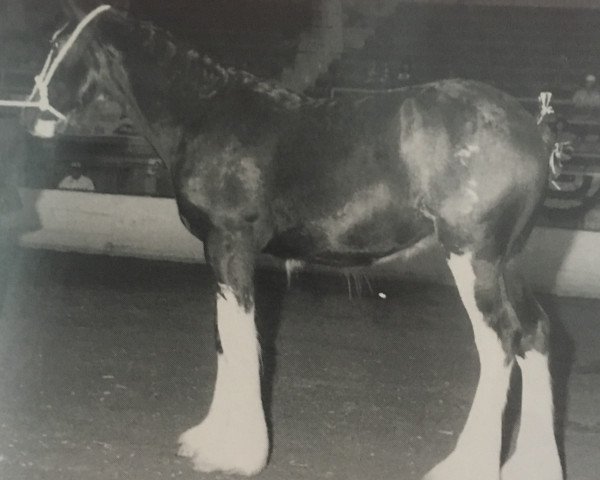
<point>105,361</point>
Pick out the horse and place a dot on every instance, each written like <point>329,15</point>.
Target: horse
<point>260,169</point>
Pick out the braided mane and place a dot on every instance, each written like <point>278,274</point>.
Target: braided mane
<point>200,75</point>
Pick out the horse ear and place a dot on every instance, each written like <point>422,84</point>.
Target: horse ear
<point>77,9</point>
<point>121,6</point>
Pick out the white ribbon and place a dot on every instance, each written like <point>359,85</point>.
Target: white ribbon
<point>556,157</point>
<point>42,81</point>
<point>545,107</point>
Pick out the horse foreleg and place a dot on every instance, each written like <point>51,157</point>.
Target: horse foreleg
<point>233,436</point>
<point>477,452</point>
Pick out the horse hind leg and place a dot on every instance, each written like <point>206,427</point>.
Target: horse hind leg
<point>233,437</point>
<point>508,324</point>
<point>536,452</point>
<point>477,452</point>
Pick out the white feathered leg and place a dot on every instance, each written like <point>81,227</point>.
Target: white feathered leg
<point>536,453</point>
<point>233,436</point>
<point>477,452</point>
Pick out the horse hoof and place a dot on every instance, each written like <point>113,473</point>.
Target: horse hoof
<point>212,447</point>
<point>454,468</point>
<point>521,467</point>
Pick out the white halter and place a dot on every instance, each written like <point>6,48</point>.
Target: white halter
<point>42,81</point>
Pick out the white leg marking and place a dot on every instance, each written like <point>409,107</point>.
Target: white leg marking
<point>536,454</point>
<point>477,452</point>
<point>233,436</point>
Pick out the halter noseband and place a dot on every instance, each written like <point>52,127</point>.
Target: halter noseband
<point>43,79</point>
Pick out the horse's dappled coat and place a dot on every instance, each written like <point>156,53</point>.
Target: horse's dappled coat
<point>257,168</point>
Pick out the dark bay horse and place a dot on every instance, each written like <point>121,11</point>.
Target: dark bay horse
<point>257,168</point>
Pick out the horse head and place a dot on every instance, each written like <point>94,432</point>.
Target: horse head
<point>75,74</point>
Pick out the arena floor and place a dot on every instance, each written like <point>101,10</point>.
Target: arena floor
<point>104,361</point>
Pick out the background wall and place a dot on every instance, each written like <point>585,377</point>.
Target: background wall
<point>383,4</point>
<point>555,260</point>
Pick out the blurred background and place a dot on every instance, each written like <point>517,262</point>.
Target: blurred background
<point>328,48</point>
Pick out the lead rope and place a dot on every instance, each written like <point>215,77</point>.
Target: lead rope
<point>42,81</point>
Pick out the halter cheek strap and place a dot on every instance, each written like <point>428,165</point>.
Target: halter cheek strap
<point>42,81</point>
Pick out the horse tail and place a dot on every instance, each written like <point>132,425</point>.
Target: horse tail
<point>548,136</point>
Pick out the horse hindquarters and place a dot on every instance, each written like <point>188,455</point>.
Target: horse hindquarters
<point>233,436</point>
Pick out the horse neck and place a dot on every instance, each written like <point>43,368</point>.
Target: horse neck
<point>170,86</point>
<point>164,84</point>
<point>164,77</point>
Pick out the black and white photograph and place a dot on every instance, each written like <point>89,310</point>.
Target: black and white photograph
<point>300,239</point>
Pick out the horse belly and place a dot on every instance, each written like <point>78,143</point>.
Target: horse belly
<point>342,241</point>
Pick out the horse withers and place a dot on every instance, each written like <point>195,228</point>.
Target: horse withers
<point>260,169</point>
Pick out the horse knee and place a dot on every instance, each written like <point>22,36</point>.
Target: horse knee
<point>511,309</point>
<point>495,305</point>
<point>232,256</point>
